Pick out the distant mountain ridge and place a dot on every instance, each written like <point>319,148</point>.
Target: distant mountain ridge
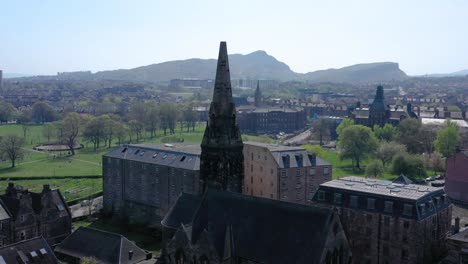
<point>453,74</point>
<point>255,65</point>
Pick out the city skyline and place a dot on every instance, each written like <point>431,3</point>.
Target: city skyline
<point>49,37</point>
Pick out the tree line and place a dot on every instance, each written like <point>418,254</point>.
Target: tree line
<point>410,148</point>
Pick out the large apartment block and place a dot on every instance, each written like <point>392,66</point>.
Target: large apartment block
<point>283,173</point>
<point>142,181</point>
<point>389,222</point>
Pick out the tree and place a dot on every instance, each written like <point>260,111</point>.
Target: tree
<point>408,134</point>
<point>357,142</point>
<point>120,131</point>
<point>427,135</point>
<point>318,150</point>
<point>321,129</point>
<point>387,150</point>
<point>42,112</point>
<point>7,111</point>
<point>189,116</point>
<point>385,133</point>
<point>344,124</point>
<point>409,165</point>
<point>375,169</point>
<point>25,128</point>
<point>94,131</point>
<point>434,161</point>
<point>25,116</point>
<point>168,114</point>
<point>71,130</point>
<point>11,147</point>
<point>48,131</point>
<point>447,139</point>
<point>136,127</point>
<point>151,118</point>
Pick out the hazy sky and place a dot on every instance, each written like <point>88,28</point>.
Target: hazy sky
<point>44,37</point>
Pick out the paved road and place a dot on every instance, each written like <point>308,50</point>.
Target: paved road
<point>83,208</point>
<point>299,139</point>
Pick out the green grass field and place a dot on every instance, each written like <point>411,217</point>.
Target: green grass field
<point>70,188</point>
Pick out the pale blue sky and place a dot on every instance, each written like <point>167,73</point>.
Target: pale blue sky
<point>47,36</point>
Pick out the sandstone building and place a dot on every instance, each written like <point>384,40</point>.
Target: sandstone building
<point>283,173</point>
<point>25,215</point>
<point>142,181</point>
<point>389,222</point>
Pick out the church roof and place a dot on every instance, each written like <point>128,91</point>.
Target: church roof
<point>183,210</point>
<point>262,230</point>
<point>105,247</point>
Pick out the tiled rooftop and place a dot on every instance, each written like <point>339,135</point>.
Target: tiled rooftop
<point>381,187</point>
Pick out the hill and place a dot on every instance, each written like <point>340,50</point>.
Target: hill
<point>368,72</point>
<point>256,65</point>
<point>453,74</point>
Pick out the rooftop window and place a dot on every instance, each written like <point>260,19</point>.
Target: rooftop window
<point>124,150</point>
<point>137,151</point>
<point>183,158</point>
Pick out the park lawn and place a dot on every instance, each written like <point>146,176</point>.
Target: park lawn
<point>70,188</point>
<point>142,239</point>
<point>34,135</point>
<point>60,166</point>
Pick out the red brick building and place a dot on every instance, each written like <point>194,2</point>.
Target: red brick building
<point>456,181</point>
<point>283,173</point>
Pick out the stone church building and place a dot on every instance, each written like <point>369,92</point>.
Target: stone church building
<point>224,226</point>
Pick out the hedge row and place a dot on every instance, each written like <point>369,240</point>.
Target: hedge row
<point>29,178</point>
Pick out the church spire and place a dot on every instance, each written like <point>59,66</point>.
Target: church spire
<point>258,95</point>
<point>222,161</point>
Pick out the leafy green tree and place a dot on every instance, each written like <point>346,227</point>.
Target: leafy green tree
<point>387,150</point>
<point>434,161</point>
<point>71,126</point>
<point>42,112</point>
<point>11,147</point>
<point>344,124</point>
<point>409,165</point>
<point>385,133</point>
<point>120,131</point>
<point>356,143</point>
<point>318,150</point>
<point>375,169</point>
<point>151,118</point>
<point>168,115</point>
<point>94,131</point>
<point>7,112</point>
<point>320,129</point>
<point>408,134</point>
<point>447,139</point>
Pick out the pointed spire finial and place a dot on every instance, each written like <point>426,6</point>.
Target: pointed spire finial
<point>222,93</point>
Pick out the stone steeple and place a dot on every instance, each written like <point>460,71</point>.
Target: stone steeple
<point>258,95</point>
<point>378,112</point>
<point>222,161</point>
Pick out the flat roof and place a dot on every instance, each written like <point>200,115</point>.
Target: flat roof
<point>174,147</point>
<point>382,187</point>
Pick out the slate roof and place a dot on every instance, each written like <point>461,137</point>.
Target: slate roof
<point>105,247</point>
<point>262,230</point>
<point>182,156</point>
<point>35,250</point>
<point>284,153</point>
